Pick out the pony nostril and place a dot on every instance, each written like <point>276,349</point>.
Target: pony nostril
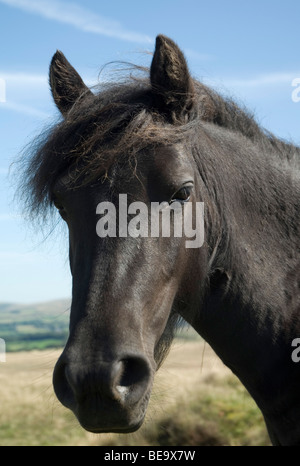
<point>133,378</point>
<point>124,381</point>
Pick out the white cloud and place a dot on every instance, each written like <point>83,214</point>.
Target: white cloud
<point>21,84</point>
<point>271,79</point>
<point>24,78</point>
<point>193,55</point>
<point>25,109</point>
<point>79,17</point>
<point>25,92</point>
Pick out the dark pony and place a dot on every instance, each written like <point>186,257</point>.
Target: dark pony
<point>169,139</point>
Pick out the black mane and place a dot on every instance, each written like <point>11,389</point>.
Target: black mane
<point>119,120</point>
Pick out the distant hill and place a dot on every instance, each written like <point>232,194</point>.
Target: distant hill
<point>34,326</point>
<point>26,327</point>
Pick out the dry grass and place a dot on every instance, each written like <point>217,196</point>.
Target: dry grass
<point>196,400</point>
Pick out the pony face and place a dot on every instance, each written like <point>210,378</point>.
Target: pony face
<point>131,217</point>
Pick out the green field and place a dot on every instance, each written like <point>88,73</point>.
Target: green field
<point>196,400</point>
<point>37,326</point>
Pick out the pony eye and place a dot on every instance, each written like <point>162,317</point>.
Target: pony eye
<point>182,195</point>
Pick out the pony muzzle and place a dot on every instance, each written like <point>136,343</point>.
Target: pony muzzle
<point>107,396</point>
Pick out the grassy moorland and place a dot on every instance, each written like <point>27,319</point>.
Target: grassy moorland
<point>37,326</point>
<point>196,401</point>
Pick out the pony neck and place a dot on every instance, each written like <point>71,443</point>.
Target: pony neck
<point>250,313</point>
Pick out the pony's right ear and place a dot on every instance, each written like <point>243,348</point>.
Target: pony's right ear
<point>66,84</point>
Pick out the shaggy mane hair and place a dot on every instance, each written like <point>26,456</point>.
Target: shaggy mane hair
<point>119,121</point>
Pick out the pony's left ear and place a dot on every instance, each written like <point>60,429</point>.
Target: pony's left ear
<point>66,84</point>
<point>171,83</point>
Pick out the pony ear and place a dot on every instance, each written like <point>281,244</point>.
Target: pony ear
<point>66,84</point>
<point>170,79</point>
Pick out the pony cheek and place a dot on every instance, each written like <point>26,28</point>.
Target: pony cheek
<point>160,320</point>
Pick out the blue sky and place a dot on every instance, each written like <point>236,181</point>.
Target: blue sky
<point>248,50</point>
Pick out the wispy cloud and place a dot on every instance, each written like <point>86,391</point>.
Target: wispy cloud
<point>26,92</point>
<point>22,87</point>
<point>79,17</point>
<point>24,78</point>
<point>22,84</point>
<point>270,79</point>
<point>88,21</point>
<point>25,110</point>
<point>23,92</point>
<point>197,56</point>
